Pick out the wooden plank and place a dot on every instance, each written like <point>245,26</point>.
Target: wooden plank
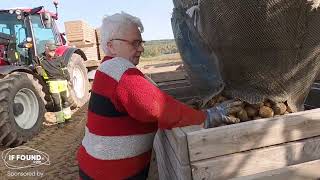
<point>225,140</point>
<point>168,76</point>
<point>81,44</point>
<point>305,171</point>
<point>92,63</point>
<point>181,91</point>
<point>256,161</point>
<point>163,163</point>
<point>178,142</point>
<point>79,31</point>
<point>174,84</point>
<point>182,172</point>
<point>190,129</point>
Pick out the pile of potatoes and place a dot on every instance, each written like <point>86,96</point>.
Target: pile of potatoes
<point>249,112</point>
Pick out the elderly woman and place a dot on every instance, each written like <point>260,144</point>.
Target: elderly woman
<point>125,109</point>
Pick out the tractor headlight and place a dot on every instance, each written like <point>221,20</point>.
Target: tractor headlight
<point>19,17</point>
<point>18,12</point>
<point>11,11</point>
<point>29,39</point>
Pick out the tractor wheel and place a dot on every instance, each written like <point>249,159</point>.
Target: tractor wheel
<point>79,88</point>
<point>22,108</point>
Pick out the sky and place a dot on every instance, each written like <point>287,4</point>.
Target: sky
<point>154,14</point>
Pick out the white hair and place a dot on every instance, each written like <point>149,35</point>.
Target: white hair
<point>115,25</point>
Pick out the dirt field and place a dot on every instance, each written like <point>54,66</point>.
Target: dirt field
<point>61,145</point>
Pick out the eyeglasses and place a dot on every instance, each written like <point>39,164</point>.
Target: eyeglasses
<point>135,43</point>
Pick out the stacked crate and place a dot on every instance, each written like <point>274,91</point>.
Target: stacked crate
<point>81,35</point>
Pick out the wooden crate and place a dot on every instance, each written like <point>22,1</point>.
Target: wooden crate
<point>238,150</point>
<point>91,52</point>
<point>303,171</point>
<point>175,83</point>
<point>80,31</point>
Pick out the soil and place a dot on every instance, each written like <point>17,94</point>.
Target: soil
<point>61,145</point>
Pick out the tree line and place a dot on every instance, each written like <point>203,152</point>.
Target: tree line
<point>159,47</point>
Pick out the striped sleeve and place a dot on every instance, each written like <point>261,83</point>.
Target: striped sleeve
<point>145,102</point>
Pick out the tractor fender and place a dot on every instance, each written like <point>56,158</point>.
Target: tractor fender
<point>69,51</point>
<point>7,69</point>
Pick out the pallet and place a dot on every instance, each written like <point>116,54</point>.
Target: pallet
<point>241,149</point>
<point>81,44</point>
<point>79,31</point>
<point>91,52</point>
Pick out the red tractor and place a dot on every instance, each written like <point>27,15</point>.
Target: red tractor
<point>24,95</point>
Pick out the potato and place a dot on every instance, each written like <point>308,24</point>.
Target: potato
<point>289,109</point>
<point>251,111</point>
<point>266,112</point>
<point>268,104</point>
<point>235,110</point>
<point>258,105</point>
<point>233,119</point>
<point>242,115</point>
<point>279,108</point>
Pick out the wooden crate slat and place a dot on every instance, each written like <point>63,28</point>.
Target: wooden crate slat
<point>90,52</point>
<point>168,76</point>
<point>79,30</point>
<point>305,171</point>
<point>176,171</point>
<point>164,165</point>
<point>181,91</point>
<point>174,84</point>
<point>80,44</point>
<point>178,142</point>
<point>256,161</point>
<point>183,172</point>
<point>209,143</point>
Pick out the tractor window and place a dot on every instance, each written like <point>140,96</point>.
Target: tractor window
<point>9,24</point>
<point>41,34</point>
<point>21,36</point>
<point>4,29</point>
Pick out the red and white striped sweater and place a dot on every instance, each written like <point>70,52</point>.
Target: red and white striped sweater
<point>125,111</point>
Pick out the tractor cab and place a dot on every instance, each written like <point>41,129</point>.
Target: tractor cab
<point>29,30</point>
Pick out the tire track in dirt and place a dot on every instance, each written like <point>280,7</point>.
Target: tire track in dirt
<point>61,145</point>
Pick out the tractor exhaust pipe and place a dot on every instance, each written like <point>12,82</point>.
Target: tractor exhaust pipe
<point>55,2</point>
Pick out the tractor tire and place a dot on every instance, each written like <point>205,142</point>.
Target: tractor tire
<point>22,108</point>
<point>79,86</point>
